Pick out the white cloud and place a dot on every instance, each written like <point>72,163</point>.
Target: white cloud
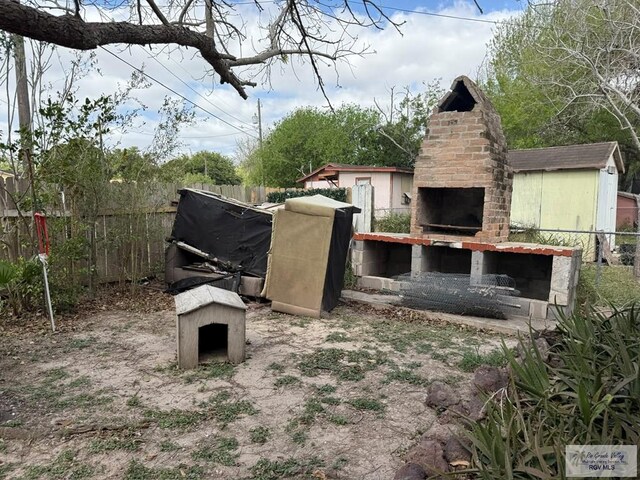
<point>429,47</point>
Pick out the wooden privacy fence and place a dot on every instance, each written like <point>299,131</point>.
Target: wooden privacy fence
<point>124,238</point>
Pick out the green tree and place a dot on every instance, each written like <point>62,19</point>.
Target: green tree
<point>205,167</point>
<point>129,164</point>
<point>308,138</point>
<point>566,72</point>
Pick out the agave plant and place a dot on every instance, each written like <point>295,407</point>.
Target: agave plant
<point>589,395</point>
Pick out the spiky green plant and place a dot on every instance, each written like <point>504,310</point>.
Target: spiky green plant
<point>588,395</point>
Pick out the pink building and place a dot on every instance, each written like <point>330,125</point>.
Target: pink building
<point>392,185</point>
<point>627,211</point>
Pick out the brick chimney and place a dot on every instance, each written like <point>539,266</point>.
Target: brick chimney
<point>462,182</point>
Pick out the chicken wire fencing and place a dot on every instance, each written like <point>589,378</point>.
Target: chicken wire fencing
<point>477,295</point>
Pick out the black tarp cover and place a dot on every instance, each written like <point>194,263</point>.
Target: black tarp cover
<point>340,240</point>
<point>234,233</point>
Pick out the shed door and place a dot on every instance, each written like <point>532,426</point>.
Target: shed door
<point>607,204</point>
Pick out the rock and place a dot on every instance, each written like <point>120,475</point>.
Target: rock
<point>440,432</point>
<point>410,471</point>
<point>441,395</point>
<point>490,379</point>
<point>456,451</point>
<point>475,407</point>
<point>429,455</point>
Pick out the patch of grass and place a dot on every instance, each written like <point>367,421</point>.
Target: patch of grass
<point>617,286</point>
<point>3,446</point>
<point>80,343</point>
<point>301,322</point>
<point>225,411</point>
<point>266,469</point>
<point>13,423</point>
<point>344,364</point>
<point>138,471</point>
<point>338,419</point>
<point>134,401</point>
<point>260,435</point>
<point>175,418</point>
<point>337,337</point>
<point>405,376</point>
<point>441,356</point>
<point>287,380</point>
<point>424,347</point>
<point>56,374</point>
<point>169,446</point>
<point>65,466</point>
<point>82,400</point>
<point>102,445</point>
<point>401,335</point>
<point>472,359</point>
<point>365,403</point>
<point>299,437</point>
<point>339,463</point>
<point>276,367</point>
<point>298,426</point>
<point>331,400</point>
<point>221,452</point>
<point>326,389</point>
<point>223,370</point>
<point>82,381</point>
<point>5,469</point>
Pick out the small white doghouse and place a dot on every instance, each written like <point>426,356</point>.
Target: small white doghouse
<point>209,320</point>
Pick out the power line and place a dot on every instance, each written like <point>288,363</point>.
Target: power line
<point>406,10</point>
<point>440,15</point>
<point>139,70</point>
<point>193,89</point>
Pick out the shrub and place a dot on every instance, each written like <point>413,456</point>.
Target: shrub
<point>339,194</point>
<point>394,223</point>
<point>587,394</point>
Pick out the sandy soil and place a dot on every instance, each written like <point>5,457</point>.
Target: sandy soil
<point>340,397</point>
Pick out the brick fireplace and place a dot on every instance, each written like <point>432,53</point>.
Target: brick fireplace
<point>462,181</point>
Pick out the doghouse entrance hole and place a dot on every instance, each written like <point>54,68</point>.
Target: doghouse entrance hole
<point>212,343</point>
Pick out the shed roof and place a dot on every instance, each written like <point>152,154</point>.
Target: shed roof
<point>569,157</point>
<point>331,169</point>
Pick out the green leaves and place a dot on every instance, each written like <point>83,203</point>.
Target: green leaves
<point>586,394</point>
<point>7,273</point>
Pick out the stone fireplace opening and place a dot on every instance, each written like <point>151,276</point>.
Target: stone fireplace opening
<point>459,100</point>
<point>456,211</point>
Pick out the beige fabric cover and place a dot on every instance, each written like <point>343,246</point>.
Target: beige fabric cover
<point>298,260</point>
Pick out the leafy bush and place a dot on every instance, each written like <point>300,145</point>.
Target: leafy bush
<point>394,223</point>
<point>339,194</point>
<point>587,393</point>
<point>23,288</point>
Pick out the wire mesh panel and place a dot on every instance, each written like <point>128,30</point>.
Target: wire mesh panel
<point>480,295</point>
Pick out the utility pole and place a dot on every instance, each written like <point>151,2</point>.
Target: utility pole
<point>258,120</point>
<point>259,123</point>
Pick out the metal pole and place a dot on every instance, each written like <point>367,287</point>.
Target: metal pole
<point>43,259</point>
<point>599,265</point>
<point>259,123</point>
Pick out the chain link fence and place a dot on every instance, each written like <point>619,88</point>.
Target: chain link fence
<point>600,249</point>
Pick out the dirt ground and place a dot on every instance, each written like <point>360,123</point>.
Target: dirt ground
<point>340,397</point>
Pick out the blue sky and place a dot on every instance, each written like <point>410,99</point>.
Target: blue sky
<point>429,48</point>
